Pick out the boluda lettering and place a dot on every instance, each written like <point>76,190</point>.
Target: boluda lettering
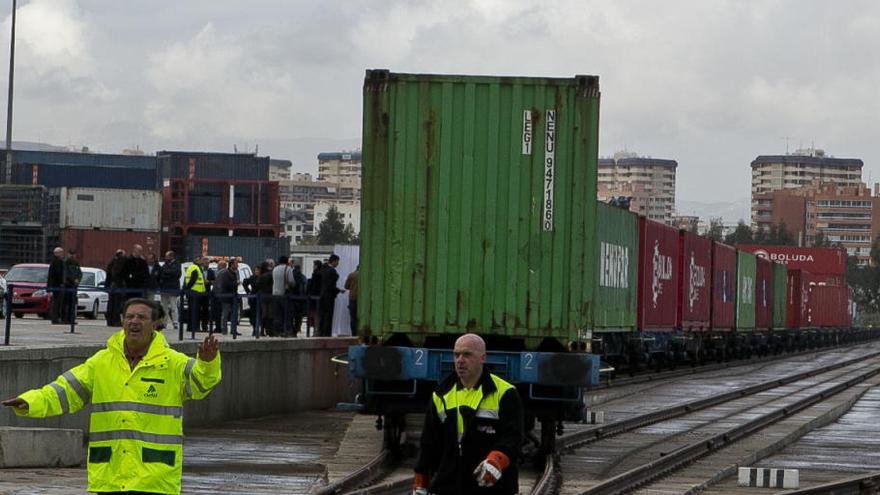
<point>696,281</point>
<point>662,271</point>
<point>613,266</point>
<point>784,258</point>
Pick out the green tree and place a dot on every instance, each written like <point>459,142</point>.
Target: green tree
<point>333,230</point>
<point>716,230</point>
<point>822,241</point>
<point>742,235</point>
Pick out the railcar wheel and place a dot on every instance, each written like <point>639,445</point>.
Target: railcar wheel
<point>548,435</point>
<point>393,428</point>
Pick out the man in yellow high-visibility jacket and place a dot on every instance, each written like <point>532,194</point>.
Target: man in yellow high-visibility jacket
<point>136,386</point>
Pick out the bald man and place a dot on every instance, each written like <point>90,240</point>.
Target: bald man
<point>473,430</point>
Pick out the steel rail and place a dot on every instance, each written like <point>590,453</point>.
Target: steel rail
<point>634,478</point>
<point>576,439</point>
<point>856,485</point>
<point>357,478</point>
<point>548,482</point>
<point>687,369</point>
<point>387,488</point>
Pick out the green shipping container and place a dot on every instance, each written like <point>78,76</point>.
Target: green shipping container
<point>478,209</point>
<point>617,233</point>
<point>780,291</point>
<point>745,294</point>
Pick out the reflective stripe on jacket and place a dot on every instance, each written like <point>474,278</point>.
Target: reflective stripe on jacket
<point>199,286</point>
<point>462,426</point>
<point>136,422</point>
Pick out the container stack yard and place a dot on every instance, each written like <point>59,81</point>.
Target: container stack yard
<point>219,204</point>
<point>23,229</point>
<point>98,221</point>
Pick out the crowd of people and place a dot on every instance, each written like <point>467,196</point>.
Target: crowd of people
<point>288,298</point>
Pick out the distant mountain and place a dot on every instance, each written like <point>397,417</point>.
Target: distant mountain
<point>730,212</point>
<point>31,146</point>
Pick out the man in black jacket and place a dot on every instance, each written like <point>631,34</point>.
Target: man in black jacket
<point>116,281</point>
<point>329,291</point>
<point>57,273</point>
<point>473,430</point>
<point>169,285</point>
<point>137,272</point>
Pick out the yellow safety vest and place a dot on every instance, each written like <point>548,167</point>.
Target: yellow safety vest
<point>199,286</point>
<point>484,406</point>
<point>136,422</point>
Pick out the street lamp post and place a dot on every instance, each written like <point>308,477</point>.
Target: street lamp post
<point>8,178</point>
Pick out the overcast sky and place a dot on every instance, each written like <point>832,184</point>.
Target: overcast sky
<point>711,84</point>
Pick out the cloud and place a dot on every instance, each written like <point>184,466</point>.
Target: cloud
<point>54,51</point>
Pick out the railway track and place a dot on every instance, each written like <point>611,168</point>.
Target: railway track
<point>630,453</point>
<point>386,475</point>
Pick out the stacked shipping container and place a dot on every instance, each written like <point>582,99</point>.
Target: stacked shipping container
<point>23,229</point>
<point>723,286</point>
<point>97,221</point>
<point>745,284</point>
<point>696,272</point>
<point>659,284</point>
<point>763,294</point>
<point>617,236</point>
<point>216,194</point>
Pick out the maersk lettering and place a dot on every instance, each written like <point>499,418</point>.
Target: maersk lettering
<point>613,266</point>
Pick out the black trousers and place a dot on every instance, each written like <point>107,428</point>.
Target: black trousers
<point>325,316</point>
<point>353,315</point>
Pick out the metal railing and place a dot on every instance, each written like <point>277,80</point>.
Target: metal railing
<point>195,310</point>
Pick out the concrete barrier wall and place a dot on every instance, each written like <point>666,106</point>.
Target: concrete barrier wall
<point>260,378</point>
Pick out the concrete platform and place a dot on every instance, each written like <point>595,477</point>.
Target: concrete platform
<point>273,455</point>
<point>261,377</point>
<point>40,447</point>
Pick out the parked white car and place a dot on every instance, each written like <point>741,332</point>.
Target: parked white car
<point>2,295</point>
<point>91,300</point>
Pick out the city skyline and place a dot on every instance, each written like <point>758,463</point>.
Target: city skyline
<point>710,85</point>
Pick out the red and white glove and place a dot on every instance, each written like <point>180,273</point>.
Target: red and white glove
<point>489,471</point>
<point>420,484</point>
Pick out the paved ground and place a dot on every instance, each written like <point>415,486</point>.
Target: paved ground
<point>284,454</point>
<point>32,331</point>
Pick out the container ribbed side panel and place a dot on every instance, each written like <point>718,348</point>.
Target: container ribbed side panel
<point>453,239</point>
<point>746,290</point>
<point>780,289</point>
<point>618,258</point>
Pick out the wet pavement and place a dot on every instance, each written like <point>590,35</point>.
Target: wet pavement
<point>284,454</point>
<point>32,331</point>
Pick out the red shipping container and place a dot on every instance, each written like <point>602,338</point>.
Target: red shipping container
<point>723,286</point>
<point>798,298</point>
<point>694,311</point>
<point>95,248</point>
<point>659,276</point>
<point>829,306</point>
<point>819,261</point>
<point>763,294</point>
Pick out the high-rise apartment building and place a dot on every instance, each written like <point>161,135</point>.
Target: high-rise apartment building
<point>341,167</point>
<point>649,182</point>
<point>843,215</point>
<point>803,167</point>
